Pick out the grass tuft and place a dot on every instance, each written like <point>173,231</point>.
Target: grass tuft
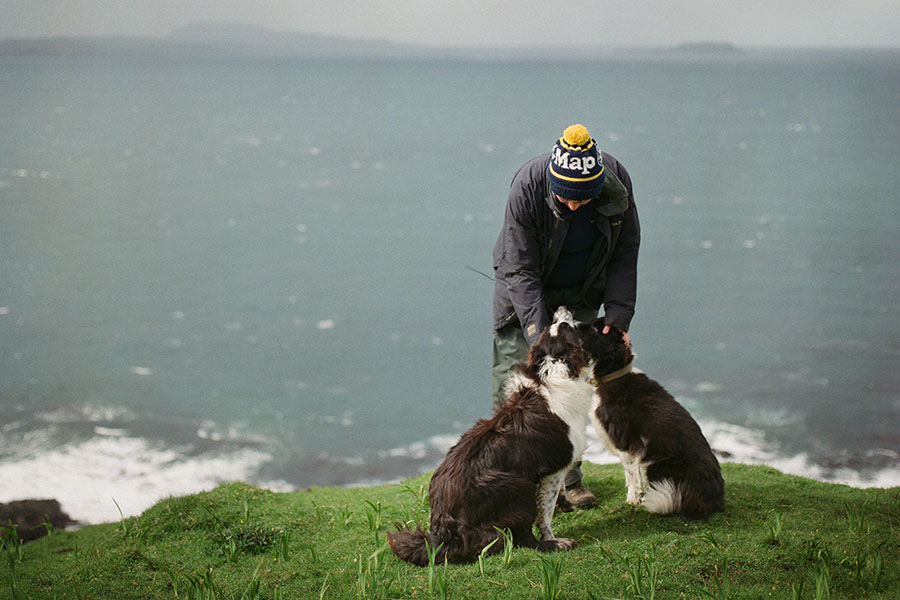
<point>551,570</point>
<point>773,530</point>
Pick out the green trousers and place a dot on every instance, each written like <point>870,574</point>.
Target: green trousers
<point>510,349</point>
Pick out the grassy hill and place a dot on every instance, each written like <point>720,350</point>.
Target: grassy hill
<point>781,537</point>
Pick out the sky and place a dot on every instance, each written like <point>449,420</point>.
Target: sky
<point>485,23</point>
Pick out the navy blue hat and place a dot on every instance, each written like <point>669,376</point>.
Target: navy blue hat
<point>576,169</point>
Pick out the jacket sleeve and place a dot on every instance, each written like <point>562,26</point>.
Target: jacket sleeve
<point>621,272</point>
<point>520,263</point>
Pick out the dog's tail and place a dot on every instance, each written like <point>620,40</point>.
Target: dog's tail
<point>420,548</point>
<point>669,498</point>
<point>411,546</point>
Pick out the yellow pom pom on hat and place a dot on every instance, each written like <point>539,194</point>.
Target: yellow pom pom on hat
<point>576,169</point>
<point>577,135</point>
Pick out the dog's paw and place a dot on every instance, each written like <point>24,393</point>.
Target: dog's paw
<point>634,496</point>
<point>556,545</point>
<point>565,543</point>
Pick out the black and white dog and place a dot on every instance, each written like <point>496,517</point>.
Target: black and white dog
<point>507,471</point>
<point>669,466</point>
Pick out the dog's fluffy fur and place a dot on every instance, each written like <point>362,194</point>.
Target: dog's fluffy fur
<point>669,466</point>
<point>507,471</point>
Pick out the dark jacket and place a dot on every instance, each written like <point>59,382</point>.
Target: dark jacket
<point>534,229</point>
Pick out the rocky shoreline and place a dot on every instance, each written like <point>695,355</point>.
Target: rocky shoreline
<point>33,518</point>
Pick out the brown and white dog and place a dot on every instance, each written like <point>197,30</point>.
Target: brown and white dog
<point>507,471</point>
<point>669,466</point>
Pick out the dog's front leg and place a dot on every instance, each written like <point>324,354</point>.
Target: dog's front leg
<point>548,490</point>
<point>634,479</point>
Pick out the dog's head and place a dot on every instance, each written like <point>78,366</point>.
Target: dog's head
<point>560,341</point>
<point>609,352</point>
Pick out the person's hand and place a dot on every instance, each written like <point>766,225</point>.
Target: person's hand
<point>606,329</point>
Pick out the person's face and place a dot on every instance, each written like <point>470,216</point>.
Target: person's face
<point>573,205</point>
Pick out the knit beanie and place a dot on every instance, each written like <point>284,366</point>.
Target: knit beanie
<point>576,169</point>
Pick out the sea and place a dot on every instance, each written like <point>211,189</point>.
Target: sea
<point>277,270</point>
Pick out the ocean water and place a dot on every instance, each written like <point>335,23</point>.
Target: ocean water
<point>261,269</point>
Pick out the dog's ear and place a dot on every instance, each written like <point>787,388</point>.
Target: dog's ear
<point>609,351</point>
<point>579,357</point>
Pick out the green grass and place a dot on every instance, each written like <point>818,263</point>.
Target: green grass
<point>781,537</point>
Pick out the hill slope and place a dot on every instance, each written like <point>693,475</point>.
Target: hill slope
<point>237,541</point>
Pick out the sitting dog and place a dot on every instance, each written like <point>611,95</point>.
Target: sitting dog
<point>669,466</point>
<point>507,471</point>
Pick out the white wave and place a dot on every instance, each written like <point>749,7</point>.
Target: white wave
<point>736,443</point>
<point>596,451</point>
<point>436,444</point>
<point>803,466</point>
<point>708,386</point>
<point>91,414</point>
<point>110,431</point>
<point>414,450</point>
<point>87,477</point>
<point>733,443</point>
<point>747,446</point>
<point>443,443</point>
<point>90,477</point>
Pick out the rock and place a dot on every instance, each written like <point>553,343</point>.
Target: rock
<point>29,516</point>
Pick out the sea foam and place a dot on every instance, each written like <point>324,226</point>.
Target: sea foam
<point>91,477</point>
<point>737,444</point>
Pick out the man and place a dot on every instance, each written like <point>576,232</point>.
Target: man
<point>570,237</point>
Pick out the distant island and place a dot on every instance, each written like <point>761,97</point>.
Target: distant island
<point>247,40</point>
<point>709,48</point>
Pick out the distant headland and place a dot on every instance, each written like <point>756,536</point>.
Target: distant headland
<point>246,40</point>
